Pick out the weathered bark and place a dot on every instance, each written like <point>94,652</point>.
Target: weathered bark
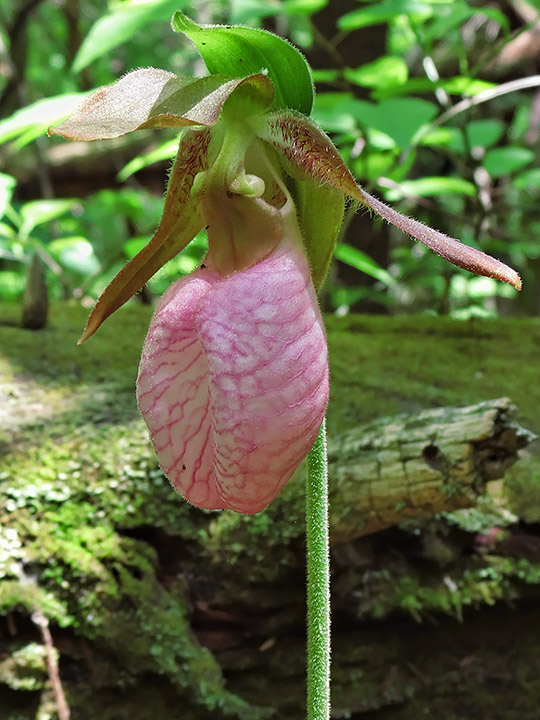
<point>412,466</point>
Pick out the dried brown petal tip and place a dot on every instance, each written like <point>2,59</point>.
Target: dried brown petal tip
<point>516,280</point>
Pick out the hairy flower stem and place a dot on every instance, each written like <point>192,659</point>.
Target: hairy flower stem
<point>318,581</point>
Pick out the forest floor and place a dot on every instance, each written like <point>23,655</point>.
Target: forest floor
<point>154,604</point>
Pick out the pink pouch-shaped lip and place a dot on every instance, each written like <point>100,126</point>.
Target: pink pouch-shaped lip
<point>233,381</point>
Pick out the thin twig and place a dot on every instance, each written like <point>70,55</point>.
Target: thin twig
<point>39,619</point>
<point>485,96</point>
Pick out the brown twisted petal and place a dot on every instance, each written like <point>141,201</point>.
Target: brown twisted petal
<point>180,222</point>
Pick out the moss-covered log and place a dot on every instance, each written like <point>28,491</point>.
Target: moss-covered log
<point>160,610</point>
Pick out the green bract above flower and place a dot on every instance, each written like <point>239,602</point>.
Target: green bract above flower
<point>245,137</point>
<point>237,51</point>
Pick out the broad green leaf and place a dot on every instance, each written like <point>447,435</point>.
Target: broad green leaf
<point>431,186</point>
<point>400,118</point>
<point>311,155</point>
<point>377,13</point>
<point>249,11</point>
<point>385,72</point>
<point>503,161</point>
<point>165,151</point>
<point>39,116</point>
<point>521,122</point>
<point>479,133</point>
<point>180,222</point>
<point>469,87</point>
<point>238,51</point>
<point>7,185</point>
<point>12,284</point>
<point>75,254</point>
<point>437,136</point>
<point>335,111</point>
<point>379,140</point>
<point>361,261</point>
<point>450,15</point>
<point>528,180</point>
<point>458,85</point>
<point>119,26</point>
<point>150,98</point>
<point>38,212</point>
<point>325,76</point>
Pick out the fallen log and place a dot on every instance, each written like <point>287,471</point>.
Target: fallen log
<point>413,466</point>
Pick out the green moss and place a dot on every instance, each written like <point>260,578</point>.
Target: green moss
<point>383,366</point>
<point>21,595</point>
<point>81,474</point>
<point>25,668</point>
<point>523,491</point>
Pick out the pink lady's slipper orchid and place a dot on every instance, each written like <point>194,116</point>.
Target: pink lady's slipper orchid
<point>233,380</point>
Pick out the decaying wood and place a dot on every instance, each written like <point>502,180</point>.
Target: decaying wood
<point>411,466</point>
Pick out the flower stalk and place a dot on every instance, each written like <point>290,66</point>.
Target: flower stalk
<point>318,581</point>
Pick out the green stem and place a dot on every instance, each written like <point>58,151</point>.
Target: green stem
<point>318,582</point>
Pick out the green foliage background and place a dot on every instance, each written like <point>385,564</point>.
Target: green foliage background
<point>440,120</point>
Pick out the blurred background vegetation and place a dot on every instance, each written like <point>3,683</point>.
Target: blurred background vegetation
<point>435,105</point>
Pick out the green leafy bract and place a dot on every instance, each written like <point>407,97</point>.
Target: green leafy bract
<point>320,208</point>
<point>238,51</point>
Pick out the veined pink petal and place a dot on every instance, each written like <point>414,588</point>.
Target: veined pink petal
<point>233,381</point>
